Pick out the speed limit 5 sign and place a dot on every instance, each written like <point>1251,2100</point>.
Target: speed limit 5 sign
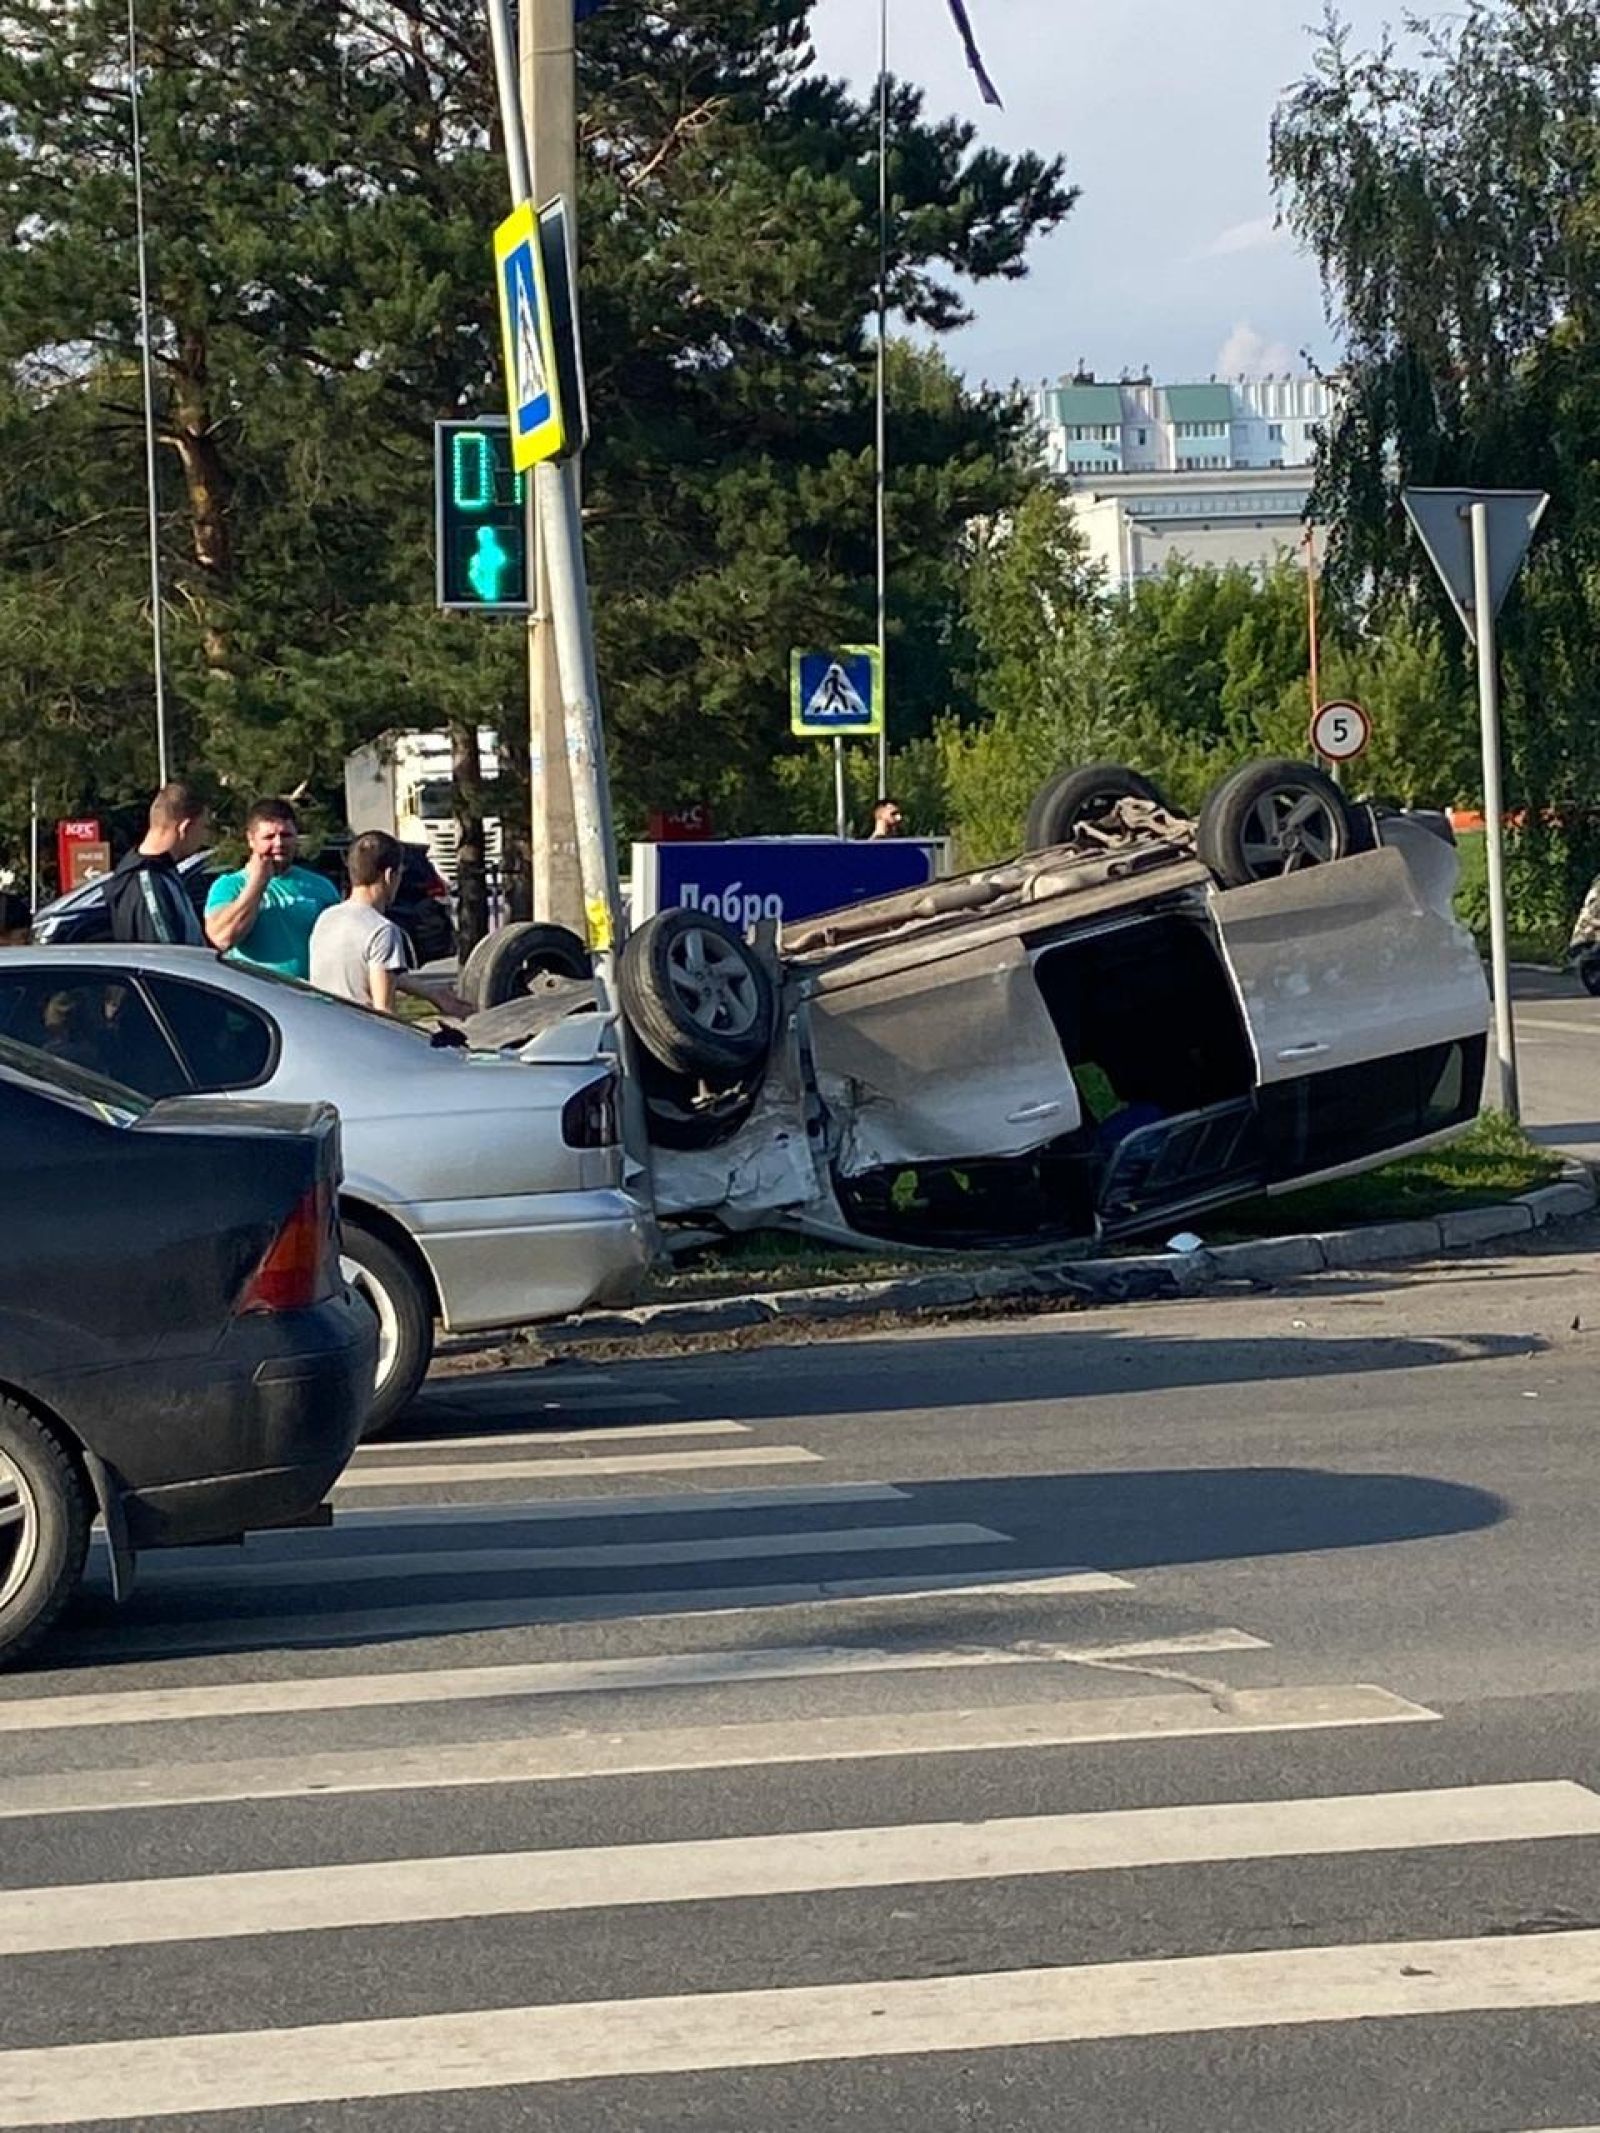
<point>1340,732</point>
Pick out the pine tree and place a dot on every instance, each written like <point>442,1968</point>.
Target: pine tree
<point>321,185</point>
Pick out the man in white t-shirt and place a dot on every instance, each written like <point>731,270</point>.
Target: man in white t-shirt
<point>357,951</point>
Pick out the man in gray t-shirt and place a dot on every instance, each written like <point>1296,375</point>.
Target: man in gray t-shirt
<point>357,951</point>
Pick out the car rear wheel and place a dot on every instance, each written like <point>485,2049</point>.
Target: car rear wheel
<point>1272,818</point>
<point>45,1515</point>
<point>505,963</point>
<point>699,999</point>
<point>1083,795</point>
<point>394,1295</point>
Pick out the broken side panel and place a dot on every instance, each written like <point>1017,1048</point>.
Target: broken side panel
<point>952,1059</point>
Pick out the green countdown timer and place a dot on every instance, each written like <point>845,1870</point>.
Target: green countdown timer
<point>481,544</point>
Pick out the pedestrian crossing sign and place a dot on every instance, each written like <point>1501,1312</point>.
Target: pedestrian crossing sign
<point>838,692</point>
<point>533,388</point>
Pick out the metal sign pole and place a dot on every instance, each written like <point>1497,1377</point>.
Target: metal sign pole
<point>880,457</point>
<point>840,813</point>
<point>1489,714</point>
<point>152,494</point>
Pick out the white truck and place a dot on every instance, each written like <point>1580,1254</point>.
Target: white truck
<point>405,783</point>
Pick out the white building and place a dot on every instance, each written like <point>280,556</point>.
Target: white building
<point>1216,473</point>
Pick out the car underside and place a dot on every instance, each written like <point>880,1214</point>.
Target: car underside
<point>1117,1033</point>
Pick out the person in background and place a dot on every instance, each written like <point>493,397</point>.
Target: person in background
<point>264,911</point>
<point>357,951</point>
<point>145,891</point>
<point>886,820</point>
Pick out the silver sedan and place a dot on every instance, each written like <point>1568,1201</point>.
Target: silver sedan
<point>481,1188</point>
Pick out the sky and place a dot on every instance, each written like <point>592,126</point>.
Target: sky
<point>1161,109</point>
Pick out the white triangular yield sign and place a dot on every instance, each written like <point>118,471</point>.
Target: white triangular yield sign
<point>1443,522</point>
<point>836,696</point>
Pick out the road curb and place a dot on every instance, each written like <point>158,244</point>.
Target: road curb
<point>1130,1279</point>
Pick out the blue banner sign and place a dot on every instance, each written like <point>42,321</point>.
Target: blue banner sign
<point>748,879</point>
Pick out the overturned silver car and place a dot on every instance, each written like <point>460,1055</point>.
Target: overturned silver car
<point>1144,1020</point>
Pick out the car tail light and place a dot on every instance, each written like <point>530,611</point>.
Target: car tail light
<point>589,1119</point>
<point>434,884</point>
<point>300,1266</point>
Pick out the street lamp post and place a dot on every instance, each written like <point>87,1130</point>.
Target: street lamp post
<point>151,502</point>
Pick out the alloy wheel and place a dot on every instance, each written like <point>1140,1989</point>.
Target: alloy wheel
<point>713,981</point>
<point>1288,829</point>
<point>19,1530</point>
<point>381,1304</point>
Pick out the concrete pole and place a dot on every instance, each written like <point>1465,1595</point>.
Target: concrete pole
<point>1483,631</point>
<point>547,75</point>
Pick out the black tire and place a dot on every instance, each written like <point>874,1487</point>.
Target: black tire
<point>699,999</point>
<point>1589,974</point>
<point>1075,796</point>
<point>1271,818</point>
<point>394,1292</point>
<point>46,1507</point>
<point>505,963</point>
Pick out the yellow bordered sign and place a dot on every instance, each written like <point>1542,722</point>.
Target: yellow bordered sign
<point>533,387</point>
<point>837,692</point>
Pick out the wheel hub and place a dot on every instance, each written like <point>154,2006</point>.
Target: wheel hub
<point>19,1530</point>
<point>714,984</point>
<point>1289,829</point>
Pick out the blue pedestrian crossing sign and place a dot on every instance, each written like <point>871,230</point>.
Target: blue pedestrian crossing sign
<point>533,386</point>
<point>838,692</point>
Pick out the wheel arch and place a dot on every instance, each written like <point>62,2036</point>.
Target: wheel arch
<point>364,1214</point>
<point>102,1481</point>
<point>49,1418</point>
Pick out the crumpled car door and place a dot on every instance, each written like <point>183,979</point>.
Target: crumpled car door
<point>953,1058</point>
<point>1361,960</point>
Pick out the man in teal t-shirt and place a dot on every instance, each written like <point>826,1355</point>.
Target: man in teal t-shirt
<point>264,911</point>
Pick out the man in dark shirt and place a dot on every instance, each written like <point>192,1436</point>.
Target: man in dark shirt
<point>145,893</point>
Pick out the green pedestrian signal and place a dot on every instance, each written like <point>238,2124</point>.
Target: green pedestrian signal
<point>491,567</point>
<point>481,527</point>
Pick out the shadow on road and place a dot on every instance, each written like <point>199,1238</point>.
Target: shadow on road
<point>1075,1358</point>
<point>960,1536</point>
<point>1158,1517</point>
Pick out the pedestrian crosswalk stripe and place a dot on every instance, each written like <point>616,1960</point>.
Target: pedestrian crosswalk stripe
<point>679,1503</point>
<point>373,1455</point>
<point>429,1475</point>
<point>328,1567</point>
<point>569,1756</point>
<point>394,1892</point>
<point>562,1677</point>
<point>511,2047</point>
<point>289,1632</point>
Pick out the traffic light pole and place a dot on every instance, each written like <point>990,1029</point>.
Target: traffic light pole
<point>536,83</point>
<point>572,738</point>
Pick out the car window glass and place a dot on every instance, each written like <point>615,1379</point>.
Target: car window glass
<point>226,1044</point>
<point>94,1020</point>
<point>106,1099</point>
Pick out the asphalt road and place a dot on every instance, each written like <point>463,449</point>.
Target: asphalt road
<point>1180,1717</point>
<point>1558,1060</point>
